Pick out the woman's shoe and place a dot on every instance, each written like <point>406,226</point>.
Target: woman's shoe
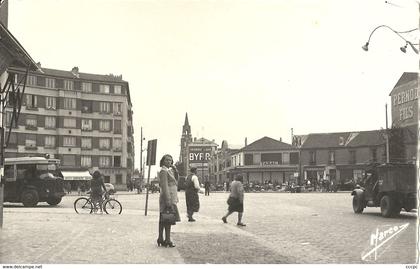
<point>160,242</point>
<point>241,224</point>
<point>169,244</point>
<point>224,220</point>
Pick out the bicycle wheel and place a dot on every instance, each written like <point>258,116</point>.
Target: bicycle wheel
<point>113,207</point>
<point>82,205</point>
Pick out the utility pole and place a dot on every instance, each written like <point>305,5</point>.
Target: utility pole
<point>386,134</point>
<point>141,153</point>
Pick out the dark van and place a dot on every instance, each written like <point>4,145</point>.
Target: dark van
<point>30,180</point>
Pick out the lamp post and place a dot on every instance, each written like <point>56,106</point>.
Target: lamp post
<point>141,152</point>
<point>403,48</point>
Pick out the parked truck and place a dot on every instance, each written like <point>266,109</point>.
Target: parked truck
<point>390,186</point>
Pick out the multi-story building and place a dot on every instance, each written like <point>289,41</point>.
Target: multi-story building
<point>199,152</point>
<point>339,157</point>
<point>220,161</point>
<point>85,120</point>
<point>265,160</point>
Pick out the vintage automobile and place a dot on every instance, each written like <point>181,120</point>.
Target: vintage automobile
<point>30,180</point>
<point>390,186</point>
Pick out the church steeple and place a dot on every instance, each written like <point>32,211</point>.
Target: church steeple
<point>186,129</point>
<point>186,138</point>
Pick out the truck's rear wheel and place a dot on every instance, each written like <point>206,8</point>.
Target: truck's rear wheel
<point>29,198</point>
<point>358,205</point>
<point>389,207</point>
<point>54,200</point>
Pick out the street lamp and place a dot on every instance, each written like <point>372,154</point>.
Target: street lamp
<point>141,152</point>
<point>403,48</point>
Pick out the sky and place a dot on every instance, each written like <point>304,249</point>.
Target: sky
<point>240,69</point>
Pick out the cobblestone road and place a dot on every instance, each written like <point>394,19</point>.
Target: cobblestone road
<point>281,228</point>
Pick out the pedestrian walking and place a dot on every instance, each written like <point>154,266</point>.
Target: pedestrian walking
<point>168,198</point>
<point>207,188</point>
<point>236,200</point>
<point>192,186</point>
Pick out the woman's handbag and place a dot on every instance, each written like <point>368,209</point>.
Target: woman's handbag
<point>168,215</point>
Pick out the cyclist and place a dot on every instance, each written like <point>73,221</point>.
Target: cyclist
<point>96,185</point>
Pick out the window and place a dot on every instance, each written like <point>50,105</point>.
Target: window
<point>69,103</point>
<point>104,107</point>
<point>86,161</point>
<point>117,89</point>
<point>104,143</point>
<point>294,157</point>
<point>118,179</point>
<point>69,123</point>
<point>31,80</point>
<point>117,108</point>
<point>331,157</point>
<point>50,102</point>
<point>86,106</point>
<point>104,88</point>
<point>30,141</point>
<point>86,87</point>
<point>50,122</point>
<point>357,175</point>
<point>117,127</point>
<point>31,121</point>
<point>69,160</point>
<point>104,125</point>
<point>117,144</point>
<point>69,141</point>
<point>50,83</point>
<point>286,158</point>
<point>312,157</point>
<point>86,143</point>
<point>352,159</point>
<point>249,159</point>
<point>9,119</point>
<point>86,125</point>
<point>104,161</point>
<point>68,84</point>
<point>50,141</point>
<point>31,101</point>
<point>117,161</point>
<point>373,154</point>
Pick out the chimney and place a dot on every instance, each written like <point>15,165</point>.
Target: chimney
<point>195,138</point>
<point>246,141</point>
<point>38,64</point>
<point>75,71</point>
<point>280,139</point>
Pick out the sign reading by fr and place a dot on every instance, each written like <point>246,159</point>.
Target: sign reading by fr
<point>151,152</point>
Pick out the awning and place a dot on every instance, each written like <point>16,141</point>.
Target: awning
<point>76,175</point>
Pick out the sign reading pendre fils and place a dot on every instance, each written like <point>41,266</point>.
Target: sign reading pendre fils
<point>151,152</point>
<point>199,154</point>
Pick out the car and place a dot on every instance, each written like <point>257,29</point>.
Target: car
<point>110,188</point>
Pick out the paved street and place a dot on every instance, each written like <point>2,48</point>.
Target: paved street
<point>281,228</point>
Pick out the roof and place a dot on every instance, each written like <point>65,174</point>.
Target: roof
<point>367,138</point>
<point>405,78</point>
<point>82,76</point>
<point>201,140</point>
<point>20,58</point>
<point>267,144</point>
<point>325,140</point>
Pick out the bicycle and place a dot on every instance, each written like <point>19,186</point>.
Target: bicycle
<point>85,205</point>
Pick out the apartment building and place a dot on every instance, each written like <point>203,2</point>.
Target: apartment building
<point>85,120</point>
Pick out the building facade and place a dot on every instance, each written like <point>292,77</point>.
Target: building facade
<point>220,163</point>
<point>85,120</point>
<point>265,160</point>
<point>199,153</point>
<point>339,157</point>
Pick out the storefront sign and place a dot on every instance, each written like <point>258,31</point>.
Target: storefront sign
<point>270,163</point>
<point>404,105</point>
<point>199,154</point>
